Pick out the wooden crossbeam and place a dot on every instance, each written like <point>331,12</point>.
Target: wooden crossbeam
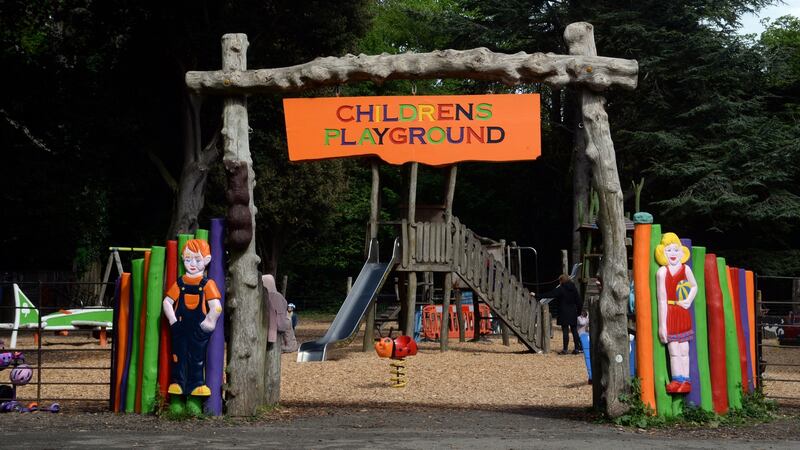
<point>593,72</point>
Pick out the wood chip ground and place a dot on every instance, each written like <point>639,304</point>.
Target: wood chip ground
<point>481,375</point>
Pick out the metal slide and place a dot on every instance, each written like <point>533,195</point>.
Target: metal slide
<point>363,292</point>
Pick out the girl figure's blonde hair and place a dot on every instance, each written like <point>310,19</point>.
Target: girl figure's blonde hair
<point>669,239</point>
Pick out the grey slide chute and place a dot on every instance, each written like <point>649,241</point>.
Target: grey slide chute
<point>363,292</point>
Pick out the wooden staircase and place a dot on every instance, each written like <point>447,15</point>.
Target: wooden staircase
<point>508,299</point>
<point>453,247</point>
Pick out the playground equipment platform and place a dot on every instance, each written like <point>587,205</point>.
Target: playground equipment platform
<point>440,247</point>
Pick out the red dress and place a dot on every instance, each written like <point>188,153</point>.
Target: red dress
<point>679,320</point>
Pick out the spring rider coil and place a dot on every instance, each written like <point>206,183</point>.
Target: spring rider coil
<point>397,350</point>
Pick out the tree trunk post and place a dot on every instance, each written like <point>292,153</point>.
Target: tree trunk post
<point>611,347</point>
<point>476,317</point>
<point>581,179</point>
<point>462,336</point>
<point>547,323</point>
<point>246,306</point>
<point>411,300</point>
<point>411,297</point>
<point>444,332</point>
<point>374,212</point>
<point>273,372</point>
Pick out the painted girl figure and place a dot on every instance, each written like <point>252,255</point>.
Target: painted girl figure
<point>676,289</point>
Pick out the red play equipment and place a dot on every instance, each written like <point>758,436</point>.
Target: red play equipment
<point>432,320</point>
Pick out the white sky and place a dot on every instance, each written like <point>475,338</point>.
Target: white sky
<point>751,23</point>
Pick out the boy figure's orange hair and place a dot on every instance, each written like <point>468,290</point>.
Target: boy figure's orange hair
<point>197,246</point>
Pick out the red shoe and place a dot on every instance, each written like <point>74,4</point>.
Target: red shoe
<point>684,388</point>
<point>673,387</point>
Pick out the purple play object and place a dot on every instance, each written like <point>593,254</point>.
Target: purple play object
<point>216,345</point>
<point>10,406</point>
<point>5,359</point>
<point>745,318</point>
<point>21,375</point>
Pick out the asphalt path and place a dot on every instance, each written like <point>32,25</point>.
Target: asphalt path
<point>354,428</point>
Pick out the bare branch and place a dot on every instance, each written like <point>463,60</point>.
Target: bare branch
<point>162,169</point>
<point>36,141</point>
<point>593,72</point>
<point>212,150</point>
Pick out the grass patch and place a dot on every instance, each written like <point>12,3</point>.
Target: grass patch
<point>755,409</point>
<point>317,316</point>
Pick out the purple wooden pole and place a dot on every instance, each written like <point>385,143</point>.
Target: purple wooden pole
<point>114,332</point>
<point>215,355</point>
<point>744,315</point>
<point>693,399</point>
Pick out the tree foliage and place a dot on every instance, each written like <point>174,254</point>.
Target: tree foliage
<point>97,91</point>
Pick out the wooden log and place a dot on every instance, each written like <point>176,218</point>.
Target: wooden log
<point>440,240</point>
<point>444,332</point>
<point>497,284</point>
<point>374,212</point>
<point>419,233</point>
<point>473,260</point>
<point>458,248</point>
<point>535,334</point>
<point>525,313</point>
<point>456,233</point>
<point>448,244</point>
<point>427,267</point>
<point>593,72</point>
<point>411,302</point>
<point>464,248</point>
<point>273,372</point>
<point>490,279</point>
<point>404,231</point>
<point>476,315</point>
<point>545,330</point>
<point>412,208</point>
<point>450,194</point>
<point>402,297</point>
<point>508,297</point>
<point>426,242</point>
<point>247,348</point>
<point>502,292</point>
<point>612,344</point>
<point>484,268</point>
<point>460,317</point>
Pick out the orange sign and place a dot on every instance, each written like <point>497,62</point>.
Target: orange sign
<point>434,130</point>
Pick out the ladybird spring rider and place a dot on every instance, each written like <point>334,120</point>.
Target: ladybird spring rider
<point>397,350</point>
<point>676,289</point>
<point>192,307</point>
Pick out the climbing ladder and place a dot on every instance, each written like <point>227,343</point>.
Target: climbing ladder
<point>453,247</point>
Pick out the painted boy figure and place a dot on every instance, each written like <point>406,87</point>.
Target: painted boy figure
<point>676,289</point>
<point>192,306</point>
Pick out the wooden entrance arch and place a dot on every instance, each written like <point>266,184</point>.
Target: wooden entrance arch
<point>581,68</point>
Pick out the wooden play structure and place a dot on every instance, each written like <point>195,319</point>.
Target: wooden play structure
<point>426,246</point>
<point>448,246</point>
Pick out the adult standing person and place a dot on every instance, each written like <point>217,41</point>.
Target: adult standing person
<point>570,305</point>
